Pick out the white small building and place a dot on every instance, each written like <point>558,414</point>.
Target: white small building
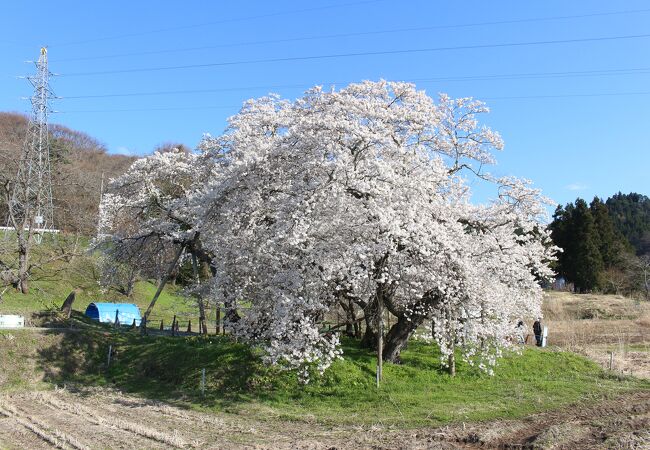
<point>11,321</point>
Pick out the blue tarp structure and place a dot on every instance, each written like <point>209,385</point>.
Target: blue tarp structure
<point>106,312</point>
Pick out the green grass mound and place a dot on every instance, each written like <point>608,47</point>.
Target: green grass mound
<point>416,393</point>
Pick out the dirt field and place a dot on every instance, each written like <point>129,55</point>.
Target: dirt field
<point>101,418</point>
<point>603,328</point>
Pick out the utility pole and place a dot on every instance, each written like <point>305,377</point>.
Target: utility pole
<point>31,210</point>
<point>31,199</point>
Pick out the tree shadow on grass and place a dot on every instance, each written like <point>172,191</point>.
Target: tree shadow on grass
<point>161,367</point>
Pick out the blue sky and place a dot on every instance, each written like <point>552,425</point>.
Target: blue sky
<point>571,132</point>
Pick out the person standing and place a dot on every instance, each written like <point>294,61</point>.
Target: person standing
<point>537,330</point>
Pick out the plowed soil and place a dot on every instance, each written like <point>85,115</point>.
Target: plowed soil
<point>101,418</point>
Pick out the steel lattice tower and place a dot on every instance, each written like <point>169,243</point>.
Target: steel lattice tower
<point>31,206</point>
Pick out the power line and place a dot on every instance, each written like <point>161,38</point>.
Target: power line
<point>551,96</point>
<point>354,54</point>
<point>173,108</point>
<point>217,22</point>
<point>512,76</point>
<point>356,34</point>
<point>522,97</point>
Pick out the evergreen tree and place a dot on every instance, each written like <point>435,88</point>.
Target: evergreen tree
<point>585,259</point>
<point>574,230</point>
<point>613,244</point>
<point>560,233</point>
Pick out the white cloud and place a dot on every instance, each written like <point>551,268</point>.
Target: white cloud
<point>123,151</point>
<point>577,187</point>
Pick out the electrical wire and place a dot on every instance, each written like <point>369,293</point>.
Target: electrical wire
<point>522,97</point>
<point>496,77</point>
<point>551,96</point>
<point>217,22</point>
<point>354,34</point>
<point>356,54</point>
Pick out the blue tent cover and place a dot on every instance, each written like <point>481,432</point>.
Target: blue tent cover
<point>105,312</point>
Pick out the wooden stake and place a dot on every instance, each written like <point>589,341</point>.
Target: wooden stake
<point>380,337</point>
<point>203,326</point>
<point>110,350</point>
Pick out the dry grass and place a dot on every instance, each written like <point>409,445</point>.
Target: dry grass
<point>173,439</point>
<point>603,327</point>
<point>61,418</point>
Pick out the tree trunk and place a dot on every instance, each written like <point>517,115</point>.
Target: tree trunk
<point>349,318</point>
<point>369,339</point>
<point>398,337</point>
<point>22,283</point>
<point>203,326</point>
<point>130,284</point>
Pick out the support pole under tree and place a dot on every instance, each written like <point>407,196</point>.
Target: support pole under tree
<point>203,326</point>
<point>452,361</point>
<point>380,337</point>
<point>66,308</point>
<point>174,325</point>
<point>163,281</point>
<point>218,319</point>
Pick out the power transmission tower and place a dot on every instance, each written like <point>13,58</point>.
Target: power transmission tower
<point>31,211</point>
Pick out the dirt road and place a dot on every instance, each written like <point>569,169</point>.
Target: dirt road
<point>108,419</point>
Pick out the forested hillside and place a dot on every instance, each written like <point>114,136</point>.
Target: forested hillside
<point>79,162</point>
<point>631,215</point>
<point>605,245</point>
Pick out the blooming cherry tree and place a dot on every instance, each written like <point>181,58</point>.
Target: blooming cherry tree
<point>361,196</point>
<point>147,221</point>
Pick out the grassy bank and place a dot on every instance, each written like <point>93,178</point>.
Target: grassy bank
<point>416,393</point>
<point>55,276</point>
<point>48,294</point>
